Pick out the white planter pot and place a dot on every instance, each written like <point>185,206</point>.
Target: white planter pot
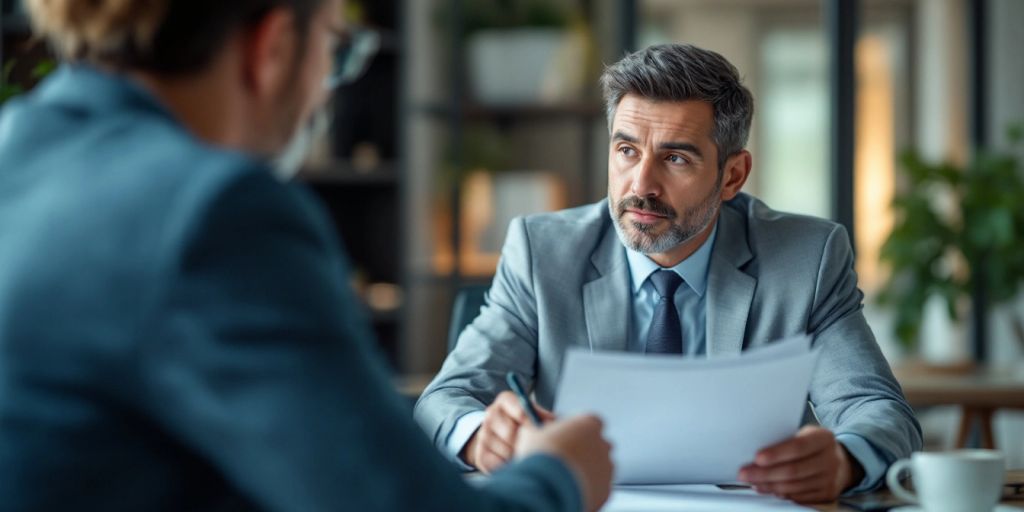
<point>525,66</point>
<point>943,340</point>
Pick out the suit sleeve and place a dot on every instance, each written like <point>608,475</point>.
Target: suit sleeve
<point>502,338</point>
<point>853,392</point>
<point>257,360</point>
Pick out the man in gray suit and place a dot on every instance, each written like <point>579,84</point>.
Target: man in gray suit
<point>678,260</point>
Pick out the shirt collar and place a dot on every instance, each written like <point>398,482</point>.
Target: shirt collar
<point>693,270</point>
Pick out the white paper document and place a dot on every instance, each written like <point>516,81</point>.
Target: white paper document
<point>683,498</point>
<point>689,421</point>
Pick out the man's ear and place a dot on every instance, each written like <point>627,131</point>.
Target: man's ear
<point>735,173</point>
<point>270,49</point>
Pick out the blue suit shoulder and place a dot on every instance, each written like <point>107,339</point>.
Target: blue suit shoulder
<point>106,181</point>
<point>111,215</point>
<point>100,150</point>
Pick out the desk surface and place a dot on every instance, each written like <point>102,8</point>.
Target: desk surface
<point>922,387</point>
<point>978,388</point>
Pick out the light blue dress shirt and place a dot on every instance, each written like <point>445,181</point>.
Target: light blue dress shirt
<point>689,299</point>
<point>691,303</point>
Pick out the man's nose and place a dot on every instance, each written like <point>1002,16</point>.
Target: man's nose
<point>645,182</point>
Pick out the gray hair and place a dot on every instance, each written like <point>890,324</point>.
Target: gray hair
<point>679,72</point>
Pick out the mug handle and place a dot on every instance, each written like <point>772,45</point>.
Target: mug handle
<point>892,478</point>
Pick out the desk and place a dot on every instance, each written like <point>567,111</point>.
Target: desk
<point>704,498</point>
<point>978,393</point>
<point>1012,476</point>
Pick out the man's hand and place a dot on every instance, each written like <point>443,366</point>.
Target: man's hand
<point>579,444</point>
<point>493,444</point>
<point>810,467</point>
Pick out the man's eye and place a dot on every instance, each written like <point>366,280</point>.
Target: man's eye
<point>677,159</point>
<point>627,151</point>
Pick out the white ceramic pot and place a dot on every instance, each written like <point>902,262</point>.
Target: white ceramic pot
<point>525,65</point>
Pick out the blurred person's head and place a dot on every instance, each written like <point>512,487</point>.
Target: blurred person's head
<point>243,74</point>
<point>679,118</point>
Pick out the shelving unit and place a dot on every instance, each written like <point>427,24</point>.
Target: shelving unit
<point>479,112</point>
<point>344,173</point>
<point>563,138</point>
<point>361,181</point>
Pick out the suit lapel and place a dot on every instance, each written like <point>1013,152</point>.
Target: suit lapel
<point>606,298</point>
<point>730,290</point>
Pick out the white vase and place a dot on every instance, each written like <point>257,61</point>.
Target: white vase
<point>943,340</point>
<point>526,66</point>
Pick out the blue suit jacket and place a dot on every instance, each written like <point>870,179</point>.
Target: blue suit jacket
<point>177,332</point>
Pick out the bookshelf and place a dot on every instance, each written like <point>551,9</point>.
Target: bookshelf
<point>477,158</point>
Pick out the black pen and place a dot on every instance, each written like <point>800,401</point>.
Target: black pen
<point>517,388</point>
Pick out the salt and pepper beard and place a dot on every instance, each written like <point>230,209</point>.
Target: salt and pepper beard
<point>640,238</point>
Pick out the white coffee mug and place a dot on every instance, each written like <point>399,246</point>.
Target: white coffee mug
<point>956,481</point>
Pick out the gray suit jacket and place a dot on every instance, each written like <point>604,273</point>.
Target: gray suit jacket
<point>563,281</point>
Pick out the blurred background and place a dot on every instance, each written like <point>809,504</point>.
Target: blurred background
<point>897,118</point>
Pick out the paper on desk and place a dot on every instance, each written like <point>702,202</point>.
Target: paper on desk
<point>679,421</point>
<point>682,498</point>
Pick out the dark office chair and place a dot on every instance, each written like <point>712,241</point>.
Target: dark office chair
<point>468,301</point>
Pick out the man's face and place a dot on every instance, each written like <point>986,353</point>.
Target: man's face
<point>307,92</point>
<point>664,183</point>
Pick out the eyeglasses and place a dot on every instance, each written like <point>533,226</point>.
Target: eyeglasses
<point>353,56</point>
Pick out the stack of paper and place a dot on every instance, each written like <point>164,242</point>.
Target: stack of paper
<point>696,498</point>
<point>686,421</point>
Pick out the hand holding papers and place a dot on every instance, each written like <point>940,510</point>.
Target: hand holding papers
<point>674,421</point>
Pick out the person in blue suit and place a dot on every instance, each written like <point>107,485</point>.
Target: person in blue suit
<point>177,330</point>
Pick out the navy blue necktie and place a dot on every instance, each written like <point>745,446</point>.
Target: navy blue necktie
<point>665,335</point>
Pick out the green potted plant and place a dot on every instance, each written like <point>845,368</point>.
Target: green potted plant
<point>956,228</point>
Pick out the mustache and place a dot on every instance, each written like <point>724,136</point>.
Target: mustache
<point>646,204</point>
